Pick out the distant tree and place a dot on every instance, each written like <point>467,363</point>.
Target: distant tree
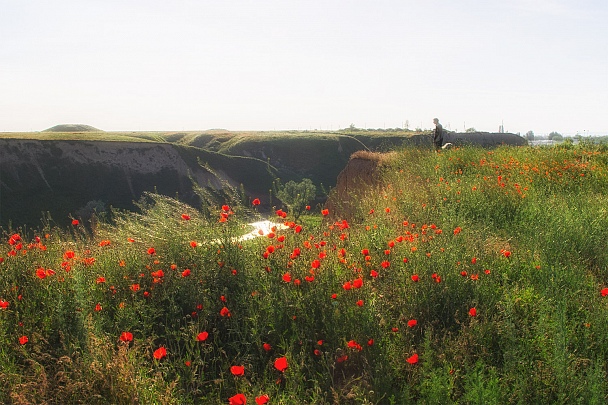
<point>471,130</point>
<point>296,196</point>
<point>556,136</point>
<point>530,135</point>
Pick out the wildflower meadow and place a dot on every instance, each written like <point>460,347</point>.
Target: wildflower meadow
<point>468,276</point>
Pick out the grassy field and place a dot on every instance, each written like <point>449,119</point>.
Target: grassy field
<point>473,277</point>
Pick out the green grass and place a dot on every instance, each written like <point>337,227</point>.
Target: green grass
<point>518,234</point>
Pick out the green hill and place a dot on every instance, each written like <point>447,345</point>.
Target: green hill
<point>72,128</point>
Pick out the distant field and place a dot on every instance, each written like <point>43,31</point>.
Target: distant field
<point>252,160</point>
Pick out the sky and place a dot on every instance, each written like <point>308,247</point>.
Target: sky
<point>149,65</point>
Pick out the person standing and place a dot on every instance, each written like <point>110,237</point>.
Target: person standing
<point>438,134</point>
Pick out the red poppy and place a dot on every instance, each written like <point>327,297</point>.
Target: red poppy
<point>193,244</point>
<point>365,252</point>
<point>287,278</point>
<point>237,370</point>
<point>256,201</point>
<point>505,253</point>
<point>310,279</point>
<point>325,212</point>
<point>186,273</point>
<point>373,273</point>
<point>225,312</point>
<point>23,340</point>
<point>358,283</point>
<point>201,337</point>
<point>354,345</point>
<point>474,260</point>
<point>473,311</point>
<point>334,296</point>
<point>158,274</point>
<point>604,292</point>
<point>370,342</point>
<point>342,358</point>
<point>457,230</point>
<point>225,208</point>
<point>298,229</point>
<point>267,347</point>
<point>238,399</point>
<point>75,222</point>
<point>281,364</point>
<point>415,278</point>
<point>134,287</point>
<point>3,304</point>
<point>98,307</point>
<point>395,329</point>
<point>151,251</point>
<point>185,217</point>
<point>262,399</point>
<point>160,353</point>
<point>360,303</point>
<point>412,322</point>
<point>385,264</point>
<point>346,286</point>
<point>40,273</point>
<point>316,263</point>
<point>126,337</point>
<point>413,359</point>
<point>14,239</point>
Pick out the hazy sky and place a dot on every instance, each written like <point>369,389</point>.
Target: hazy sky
<point>538,65</point>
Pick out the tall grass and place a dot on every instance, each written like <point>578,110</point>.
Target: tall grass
<point>470,276</point>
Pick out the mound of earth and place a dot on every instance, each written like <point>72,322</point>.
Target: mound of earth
<point>360,176</point>
<point>72,128</point>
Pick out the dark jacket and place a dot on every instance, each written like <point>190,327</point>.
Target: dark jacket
<point>438,136</point>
